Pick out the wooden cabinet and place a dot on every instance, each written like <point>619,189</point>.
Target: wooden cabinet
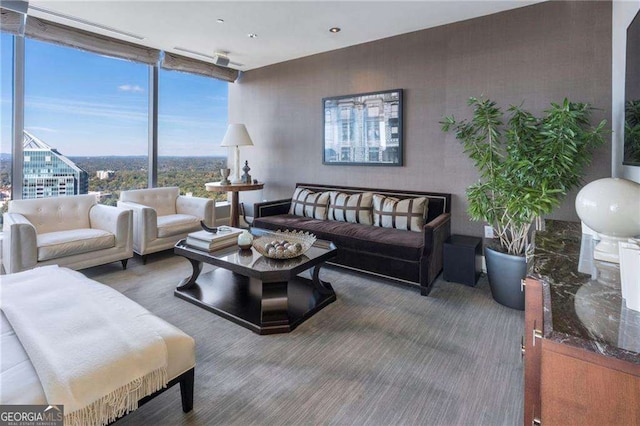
<point>533,322</point>
<point>569,385</point>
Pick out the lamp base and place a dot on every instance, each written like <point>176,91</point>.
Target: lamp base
<point>607,249</point>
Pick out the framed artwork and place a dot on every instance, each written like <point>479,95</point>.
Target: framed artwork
<point>631,154</point>
<point>363,129</point>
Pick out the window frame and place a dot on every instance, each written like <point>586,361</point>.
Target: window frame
<point>18,115</point>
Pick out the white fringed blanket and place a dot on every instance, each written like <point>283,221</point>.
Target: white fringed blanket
<point>89,344</point>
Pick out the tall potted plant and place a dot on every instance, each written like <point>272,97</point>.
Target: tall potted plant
<point>632,132</point>
<point>526,166</point>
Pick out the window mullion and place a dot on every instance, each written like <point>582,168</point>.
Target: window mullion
<point>17,113</point>
<point>153,127</point>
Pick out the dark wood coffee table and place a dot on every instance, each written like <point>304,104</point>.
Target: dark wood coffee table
<point>264,295</point>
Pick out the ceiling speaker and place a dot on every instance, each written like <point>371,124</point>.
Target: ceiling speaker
<point>220,60</point>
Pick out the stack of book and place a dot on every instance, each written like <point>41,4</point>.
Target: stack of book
<point>207,241</point>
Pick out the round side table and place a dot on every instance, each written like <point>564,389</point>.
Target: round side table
<point>234,188</point>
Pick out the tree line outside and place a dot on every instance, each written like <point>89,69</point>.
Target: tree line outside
<point>188,173</point>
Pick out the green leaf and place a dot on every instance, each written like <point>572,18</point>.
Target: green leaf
<point>526,164</point>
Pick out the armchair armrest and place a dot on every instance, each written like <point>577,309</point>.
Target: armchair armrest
<point>436,233</point>
<point>145,223</point>
<point>115,220</point>
<point>19,244</point>
<point>271,208</point>
<point>203,208</point>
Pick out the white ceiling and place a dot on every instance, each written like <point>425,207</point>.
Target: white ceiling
<point>286,29</point>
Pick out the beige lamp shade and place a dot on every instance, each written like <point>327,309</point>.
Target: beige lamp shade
<point>236,135</point>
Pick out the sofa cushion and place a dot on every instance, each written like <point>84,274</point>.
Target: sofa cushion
<point>52,245</point>
<point>306,203</point>
<point>353,236</point>
<point>407,214</point>
<point>175,224</point>
<point>352,208</point>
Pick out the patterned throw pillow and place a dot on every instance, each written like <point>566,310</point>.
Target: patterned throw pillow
<point>309,204</point>
<point>407,214</point>
<point>353,208</point>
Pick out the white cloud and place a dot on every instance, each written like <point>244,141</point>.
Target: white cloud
<point>87,108</point>
<point>125,113</point>
<point>41,129</point>
<point>130,88</point>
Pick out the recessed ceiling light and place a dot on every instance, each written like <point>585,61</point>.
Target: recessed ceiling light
<point>334,30</point>
<point>252,35</point>
<point>220,21</point>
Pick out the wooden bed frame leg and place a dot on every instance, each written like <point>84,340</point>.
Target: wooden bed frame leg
<point>186,390</point>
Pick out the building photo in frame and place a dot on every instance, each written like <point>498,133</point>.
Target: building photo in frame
<point>363,129</point>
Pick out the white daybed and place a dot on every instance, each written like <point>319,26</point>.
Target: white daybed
<point>20,383</point>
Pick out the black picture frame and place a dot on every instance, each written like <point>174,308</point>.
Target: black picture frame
<point>631,144</point>
<point>364,129</point>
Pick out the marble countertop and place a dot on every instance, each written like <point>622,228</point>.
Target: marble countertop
<point>581,309</point>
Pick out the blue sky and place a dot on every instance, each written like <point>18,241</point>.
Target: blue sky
<point>85,104</point>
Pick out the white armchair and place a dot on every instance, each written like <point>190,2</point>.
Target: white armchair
<point>162,217</point>
<point>73,231</point>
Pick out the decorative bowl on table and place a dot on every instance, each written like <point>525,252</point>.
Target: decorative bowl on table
<point>266,263</point>
<point>284,244</point>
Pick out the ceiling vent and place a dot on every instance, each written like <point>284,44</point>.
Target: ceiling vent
<point>220,60</point>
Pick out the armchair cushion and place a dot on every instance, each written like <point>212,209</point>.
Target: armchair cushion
<point>115,221</point>
<point>72,231</point>
<point>55,214</point>
<point>202,208</point>
<point>162,200</point>
<point>161,217</point>
<point>53,245</point>
<point>175,224</point>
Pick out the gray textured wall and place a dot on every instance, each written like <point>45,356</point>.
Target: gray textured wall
<point>538,54</point>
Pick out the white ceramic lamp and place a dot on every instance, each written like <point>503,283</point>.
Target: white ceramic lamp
<point>237,136</point>
<point>611,207</point>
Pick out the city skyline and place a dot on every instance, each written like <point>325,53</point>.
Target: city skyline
<point>84,104</point>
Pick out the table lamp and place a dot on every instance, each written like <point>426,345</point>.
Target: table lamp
<point>236,136</point>
<point>610,207</point>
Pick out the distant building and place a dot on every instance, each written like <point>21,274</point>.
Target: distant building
<point>105,174</point>
<point>101,195</point>
<point>48,173</point>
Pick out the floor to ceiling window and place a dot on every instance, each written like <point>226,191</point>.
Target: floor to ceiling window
<point>6,107</point>
<point>87,116</point>
<point>85,123</point>
<point>192,121</point>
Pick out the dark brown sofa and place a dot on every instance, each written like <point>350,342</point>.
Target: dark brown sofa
<point>412,257</point>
